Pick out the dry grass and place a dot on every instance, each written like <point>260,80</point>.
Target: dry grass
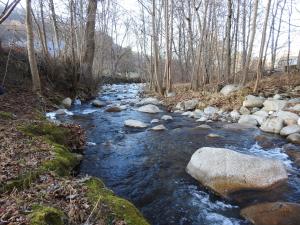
<point>209,96</point>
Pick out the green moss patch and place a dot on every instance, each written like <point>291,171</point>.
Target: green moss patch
<point>50,131</point>
<point>118,208</point>
<point>6,115</point>
<point>42,215</point>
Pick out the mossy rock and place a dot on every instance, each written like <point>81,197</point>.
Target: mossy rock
<point>6,115</point>
<point>50,131</point>
<point>43,215</point>
<point>64,161</point>
<point>119,208</point>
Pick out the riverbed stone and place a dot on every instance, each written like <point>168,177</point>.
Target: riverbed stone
<point>244,111</point>
<point>190,104</point>
<point>274,105</point>
<point>272,125</point>
<point>292,129</point>
<point>239,126</point>
<point>295,108</point>
<point>265,142</point>
<point>198,114</point>
<point>135,124</point>
<point>235,115</point>
<point>202,119</point>
<point>226,171</point>
<point>97,103</point>
<point>204,126</point>
<point>229,89</point>
<point>212,135</point>
<point>113,109</point>
<point>252,101</point>
<point>248,119</point>
<point>67,103</point>
<point>273,213</point>
<point>277,97</point>
<point>166,118</point>
<point>294,138</point>
<point>152,109</point>
<point>293,152</point>
<point>289,118</point>
<point>155,121</point>
<point>210,111</point>
<point>147,101</point>
<point>159,128</point>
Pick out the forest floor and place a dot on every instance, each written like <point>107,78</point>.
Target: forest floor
<point>277,83</point>
<point>38,161</point>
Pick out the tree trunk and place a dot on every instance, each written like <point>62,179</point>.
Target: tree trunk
<point>89,50</point>
<point>55,26</point>
<point>262,47</point>
<point>36,84</point>
<point>249,54</point>
<point>228,40</point>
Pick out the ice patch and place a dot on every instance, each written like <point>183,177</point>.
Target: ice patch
<point>91,144</point>
<point>51,115</point>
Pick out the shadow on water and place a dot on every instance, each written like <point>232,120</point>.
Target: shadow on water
<point>148,167</point>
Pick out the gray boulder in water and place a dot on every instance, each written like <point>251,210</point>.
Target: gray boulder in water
<point>226,171</point>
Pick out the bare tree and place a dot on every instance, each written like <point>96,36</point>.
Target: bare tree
<point>36,84</point>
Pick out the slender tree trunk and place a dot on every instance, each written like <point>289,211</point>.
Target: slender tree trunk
<point>262,47</point>
<point>228,39</point>
<point>55,26</point>
<point>249,54</point>
<point>36,83</point>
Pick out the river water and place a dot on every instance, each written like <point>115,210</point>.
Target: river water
<point>148,167</point>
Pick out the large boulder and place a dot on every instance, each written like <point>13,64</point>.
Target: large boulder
<point>135,124</point>
<point>289,118</point>
<point>273,213</point>
<point>253,101</point>
<point>292,129</point>
<point>260,116</point>
<point>272,125</point>
<point>67,103</point>
<point>294,138</point>
<point>293,152</point>
<point>248,120</point>
<point>149,109</point>
<point>228,89</point>
<point>226,171</point>
<point>274,105</point>
<point>190,104</point>
<point>147,101</point>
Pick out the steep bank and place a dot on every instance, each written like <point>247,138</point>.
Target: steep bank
<point>39,160</point>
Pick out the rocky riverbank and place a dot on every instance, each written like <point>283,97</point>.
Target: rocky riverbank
<point>38,168</point>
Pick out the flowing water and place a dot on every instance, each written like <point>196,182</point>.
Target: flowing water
<point>148,167</point>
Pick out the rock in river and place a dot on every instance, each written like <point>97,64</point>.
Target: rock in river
<point>226,171</point>
<point>272,125</point>
<point>98,103</point>
<point>113,109</point>
<point>149,109</point>
<point>166,117</point>
<point>67,103</point>
<point>273,213</point>
<point>294,138</point>
<point>159,128</point>
<point>147,101</point>
<point>290,130</point>
<point>135,124</point>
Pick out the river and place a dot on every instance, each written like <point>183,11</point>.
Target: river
<point>148,167</point>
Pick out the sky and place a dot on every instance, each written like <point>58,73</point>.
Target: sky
<point>132,7</point>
